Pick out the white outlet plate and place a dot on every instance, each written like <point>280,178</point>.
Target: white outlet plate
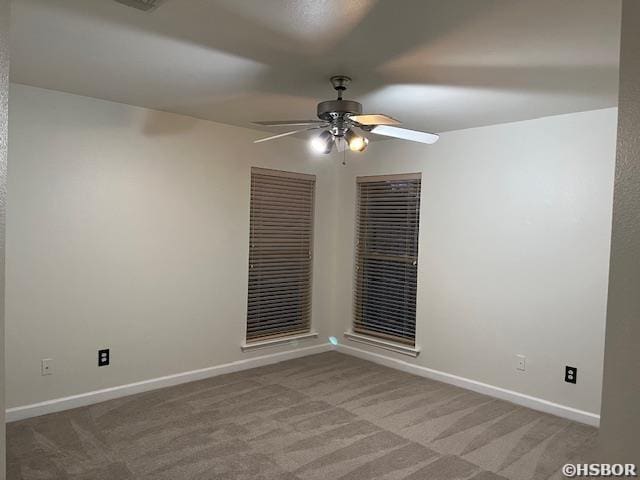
<point>46,367</point>
<point>521,363</point>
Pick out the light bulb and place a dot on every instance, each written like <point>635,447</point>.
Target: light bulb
<point>318,145</point>
<point>356,142</point>
<point>323,143</point>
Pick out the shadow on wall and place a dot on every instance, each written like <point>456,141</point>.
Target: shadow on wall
<point>159,123</point>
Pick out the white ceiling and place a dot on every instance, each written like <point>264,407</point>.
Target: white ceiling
<point>437,65</point>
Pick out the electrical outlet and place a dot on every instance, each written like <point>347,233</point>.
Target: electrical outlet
<point>46,366</point>
<point>521,363</point>
<point>103,357</point>
<point>570,374</point>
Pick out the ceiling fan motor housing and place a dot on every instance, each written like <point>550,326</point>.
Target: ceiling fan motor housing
<point>332,109</point>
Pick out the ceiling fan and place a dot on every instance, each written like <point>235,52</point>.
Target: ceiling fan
<point>340,120</point>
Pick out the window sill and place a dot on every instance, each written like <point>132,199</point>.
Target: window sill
<point>248,347</point>
<point>376,342</point>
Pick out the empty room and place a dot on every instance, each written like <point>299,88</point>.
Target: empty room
<point>319,239</point>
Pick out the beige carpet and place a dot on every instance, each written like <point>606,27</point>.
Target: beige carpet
<point>326,416</point>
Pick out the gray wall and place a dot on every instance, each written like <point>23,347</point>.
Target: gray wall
<point>4,94</point>
<point>620,427</point>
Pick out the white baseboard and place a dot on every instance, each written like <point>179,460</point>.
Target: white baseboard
<point>497,392</point>
<point>97,396</point>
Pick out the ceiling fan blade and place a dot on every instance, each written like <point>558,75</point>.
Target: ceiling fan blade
<point>286,134</point>
<point>405,134</point>
<point>375,119</point>
<point>288,123</point>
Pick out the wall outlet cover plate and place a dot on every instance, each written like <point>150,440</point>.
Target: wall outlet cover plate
<point>46,366</point>
<point>103,357</point>
<point>521,363</point>
<point>570,374</point>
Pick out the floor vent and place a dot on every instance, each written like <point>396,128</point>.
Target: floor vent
<point>144,5</point>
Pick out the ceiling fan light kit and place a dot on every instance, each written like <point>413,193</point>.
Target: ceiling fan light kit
<point>341,119</point>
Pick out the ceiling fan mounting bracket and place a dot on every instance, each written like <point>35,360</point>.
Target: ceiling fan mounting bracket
<point>340,82</point>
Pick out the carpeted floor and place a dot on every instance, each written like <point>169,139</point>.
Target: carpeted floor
<point>326,416</point>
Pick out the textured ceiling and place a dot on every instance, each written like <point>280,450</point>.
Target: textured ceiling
<point>436,65</point>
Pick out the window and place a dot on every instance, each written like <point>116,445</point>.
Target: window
<point>280,248</point>
<point>386,262</point>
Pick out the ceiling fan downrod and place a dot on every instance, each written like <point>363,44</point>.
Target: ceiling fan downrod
<point>340,84</point>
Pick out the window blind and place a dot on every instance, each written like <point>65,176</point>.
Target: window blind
<point>386,262</point>
<point>280,254</point>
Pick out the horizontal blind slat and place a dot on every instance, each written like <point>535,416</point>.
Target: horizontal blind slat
<point>410,340</point>
<point>270,322</point>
